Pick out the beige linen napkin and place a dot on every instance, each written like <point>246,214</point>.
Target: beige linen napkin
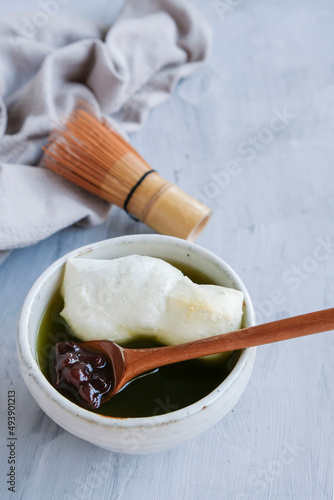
<point>123,71</point>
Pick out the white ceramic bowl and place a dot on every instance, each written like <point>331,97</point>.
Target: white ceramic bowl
<point>132,435</point>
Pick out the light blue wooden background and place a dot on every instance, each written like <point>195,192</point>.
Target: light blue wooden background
<point>273,223</point>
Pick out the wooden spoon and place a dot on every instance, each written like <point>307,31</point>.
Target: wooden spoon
<point>129,363</point>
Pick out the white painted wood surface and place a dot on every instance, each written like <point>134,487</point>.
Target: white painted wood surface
<point>273,222</point>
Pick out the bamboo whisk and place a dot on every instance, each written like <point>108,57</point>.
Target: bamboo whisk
<point>89,153</point>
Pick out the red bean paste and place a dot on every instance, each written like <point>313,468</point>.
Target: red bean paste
<point>80,373</point>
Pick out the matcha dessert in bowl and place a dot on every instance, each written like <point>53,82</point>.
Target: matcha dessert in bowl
<point>138,291</point>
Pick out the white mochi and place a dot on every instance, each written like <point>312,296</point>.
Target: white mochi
<point>122,298</point>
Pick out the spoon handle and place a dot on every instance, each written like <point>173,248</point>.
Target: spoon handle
<point>284,329</point>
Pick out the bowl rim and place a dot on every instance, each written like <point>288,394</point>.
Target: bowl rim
<point>27,358</point>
